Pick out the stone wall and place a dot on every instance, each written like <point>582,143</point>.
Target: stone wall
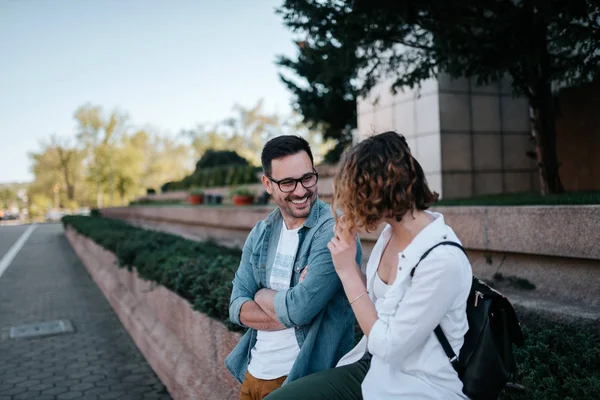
<point>185,348</point>
<point>555,247</point>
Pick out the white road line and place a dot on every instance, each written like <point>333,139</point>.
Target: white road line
<point>14,250</point>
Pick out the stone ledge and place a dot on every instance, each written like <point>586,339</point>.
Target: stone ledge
<point>560,231</point>
<point>185,348</point>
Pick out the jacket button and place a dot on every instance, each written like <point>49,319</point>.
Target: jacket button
<point>399,268</point>
<point>403,256</point>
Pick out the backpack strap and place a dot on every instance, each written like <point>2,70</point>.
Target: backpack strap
<point>446,243</point>
<point>452,357</point>
<point>438,329</point>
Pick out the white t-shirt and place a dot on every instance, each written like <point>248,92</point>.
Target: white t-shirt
<point>275,352</point>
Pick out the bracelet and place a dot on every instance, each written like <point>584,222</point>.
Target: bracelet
<point>358,297</point>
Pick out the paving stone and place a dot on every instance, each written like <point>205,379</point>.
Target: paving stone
<point>133,387</point>
<point>156,395</point>
<point>45,282</point>
<point>96,391</point>
<point>135,378</point>
<point>54,391</point>
<point>53,379</point>
<point>69,396</point>
<point>43,375</point>
<point>29,371</point>
<point>41,386</point>
<point>81,387</point>
<point>14,379</point>
<point>13,391</point>
<point>6,386</point>
<point>28,395</point>
<point>67,383</point>
<point>113,394</point>
<point>107,382</point>
<point>28,383</point>
<point>79,375</point>
<point>93,378</point>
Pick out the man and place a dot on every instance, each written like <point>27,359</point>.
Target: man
<point>286,289</point>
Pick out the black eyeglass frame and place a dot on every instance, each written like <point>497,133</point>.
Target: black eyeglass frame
<point>278,182</point>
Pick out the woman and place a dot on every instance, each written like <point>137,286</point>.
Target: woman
<point>399,356</point>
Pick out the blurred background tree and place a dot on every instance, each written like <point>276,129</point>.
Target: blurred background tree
<point>107,162</point>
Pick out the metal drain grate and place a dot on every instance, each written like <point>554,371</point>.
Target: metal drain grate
<point>41,329</point>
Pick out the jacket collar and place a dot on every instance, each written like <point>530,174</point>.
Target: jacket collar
<point>312,219</point>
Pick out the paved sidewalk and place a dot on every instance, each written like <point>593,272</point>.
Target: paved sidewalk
<point>45,282</point>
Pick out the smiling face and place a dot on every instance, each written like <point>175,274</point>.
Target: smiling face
<point>296,205</point>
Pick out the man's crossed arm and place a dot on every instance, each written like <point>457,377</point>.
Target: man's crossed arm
<point>260,313</point>
<point>254,316</point>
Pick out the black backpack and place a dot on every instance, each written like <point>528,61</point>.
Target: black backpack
<point>485,362</point>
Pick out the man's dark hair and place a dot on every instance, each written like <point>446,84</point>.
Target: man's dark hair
<point>282,146</point>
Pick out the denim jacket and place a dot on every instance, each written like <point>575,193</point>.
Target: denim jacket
<point>317,308</point>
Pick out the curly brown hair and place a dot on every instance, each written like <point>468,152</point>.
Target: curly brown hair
<point>379,178</point>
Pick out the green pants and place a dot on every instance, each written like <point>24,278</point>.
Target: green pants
<point>341,383</point>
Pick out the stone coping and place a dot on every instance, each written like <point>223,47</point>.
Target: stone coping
<point>185,348</point>
<point>563,231</point>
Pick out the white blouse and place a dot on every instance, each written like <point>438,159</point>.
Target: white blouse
<point>380,288</point>
<point>408,361</point>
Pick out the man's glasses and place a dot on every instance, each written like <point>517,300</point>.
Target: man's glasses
<point>288,185</point>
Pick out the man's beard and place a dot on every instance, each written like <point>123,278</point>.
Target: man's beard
<point>290,209</point>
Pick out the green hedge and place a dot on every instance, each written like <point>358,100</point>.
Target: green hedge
<point>199,272</point>
<point>558,361</point>
<point>525,199</point>
<point>216,177</point>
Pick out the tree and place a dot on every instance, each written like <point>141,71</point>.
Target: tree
<point>215,138</point>
<point>8,197</point>
<point>539,44</point>
<point>97,135</point>
<point>325,95</point>
<point>57,165</point>
<point>253,128</point>
<point>166,160</point>
<point>245,132</point>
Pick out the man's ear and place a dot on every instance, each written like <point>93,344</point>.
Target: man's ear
<point>267,184</point>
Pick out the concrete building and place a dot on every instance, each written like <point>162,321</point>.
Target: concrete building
<point>470,140</point>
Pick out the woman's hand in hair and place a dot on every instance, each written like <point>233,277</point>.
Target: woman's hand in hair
<point>343,250</point>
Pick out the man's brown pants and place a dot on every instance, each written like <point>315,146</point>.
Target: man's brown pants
<point>255,389</point>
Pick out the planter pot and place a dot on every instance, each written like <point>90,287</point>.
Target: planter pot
<point>209,198</point>
<point>196,198</point>
<point>242,200</point>
<point>218,199</point>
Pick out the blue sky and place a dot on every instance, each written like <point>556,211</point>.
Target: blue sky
<point>169,64</point>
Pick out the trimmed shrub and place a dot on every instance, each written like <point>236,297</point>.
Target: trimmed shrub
<point>199,272</point>
<point>216,158</point>
<point>216,177</point>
